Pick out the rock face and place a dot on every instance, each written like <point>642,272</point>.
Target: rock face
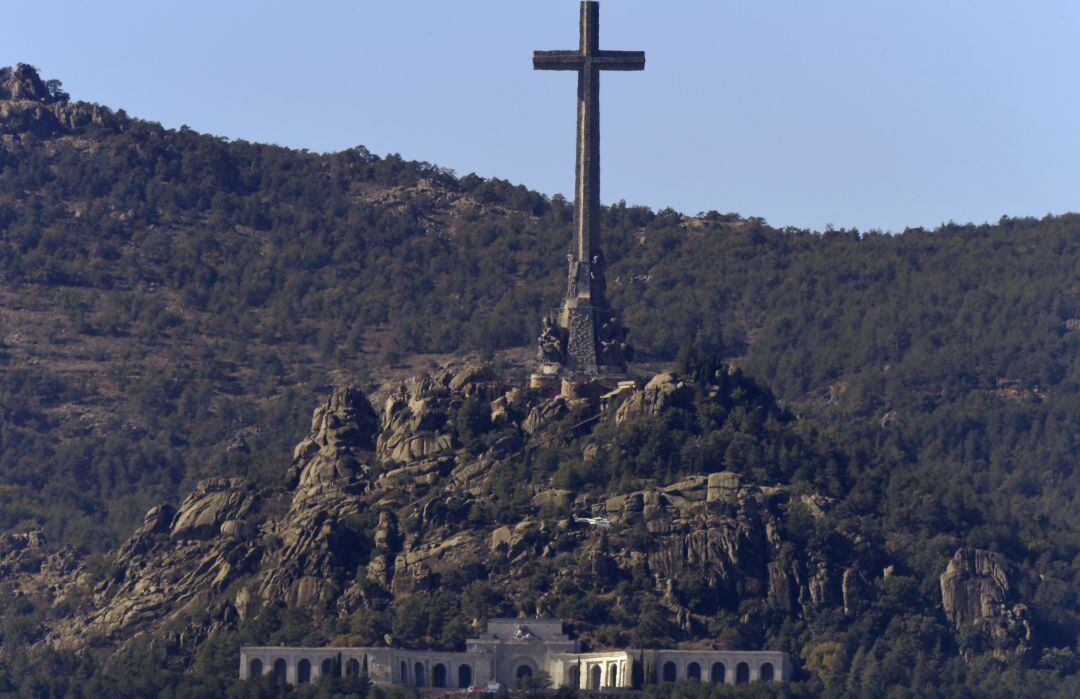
<point>340,446</point>
<point>376,506</point>
<point>21,552</point>
<point>662,392</point>
<point>975,596</point>
<point>212,503</point>
<point>29,104</point>
<point>23,83</point>
<point>332,538</point>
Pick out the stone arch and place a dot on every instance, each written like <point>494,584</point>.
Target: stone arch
<point>573,677</point>
<point>326,669</point>
<point>670,672</point>
<point>595,675</point>
<point>255,668</point>
<point>438,675</point>
<point>524,666</point>
<point>403,669</point>
<point>303,671</point>
<point>742,673</point>
<point>718,673</point>
<point>767,672</point>
<point>420,675</point>
<point>613,675</point>
<point>280,670</point>
<point>352,668</point>
<point>464,676</point>
<point>693,671</point>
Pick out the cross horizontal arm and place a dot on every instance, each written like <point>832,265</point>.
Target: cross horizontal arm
<point>574,60</point>
<point>557,60</point>
<point>620,60</point>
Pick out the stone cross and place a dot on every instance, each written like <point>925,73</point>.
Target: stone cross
<point>585,317</point>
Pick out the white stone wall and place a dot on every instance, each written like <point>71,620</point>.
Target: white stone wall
<point>684,663</point>
<point>382,665</point>
<point>494,659</point>
<point>291,657</point>
<point>605,670</point>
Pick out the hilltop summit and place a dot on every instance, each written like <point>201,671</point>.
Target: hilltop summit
<point>24,83</point>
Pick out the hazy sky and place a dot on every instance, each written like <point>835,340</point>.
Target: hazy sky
<point>867,113</point>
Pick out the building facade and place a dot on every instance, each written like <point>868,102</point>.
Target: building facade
<point>511,649</point>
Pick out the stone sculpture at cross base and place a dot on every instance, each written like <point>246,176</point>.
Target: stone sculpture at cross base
<point>585,335</point>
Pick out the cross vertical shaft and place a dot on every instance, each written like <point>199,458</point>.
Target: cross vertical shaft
<point>588,336</point>
<point>587,179</point>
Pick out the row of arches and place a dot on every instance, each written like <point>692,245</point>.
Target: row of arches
<point>595,676</point>
<point>604,674</point>
<point>328,667</point>
<point>440,675</point>
<point>718,672</point>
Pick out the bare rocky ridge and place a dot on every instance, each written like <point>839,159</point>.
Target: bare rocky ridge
<point>331,537</point>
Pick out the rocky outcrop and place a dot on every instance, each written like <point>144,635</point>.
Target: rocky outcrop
<point>661,393</point>
<point>545,414</point>
<point>315,550</point>
<point>781,594</point>
<point>475,380</point>
<point>212,503</point>
<point>23,83</point>
<point>724,486</point>
<point>21,552</point>
<point>340,445</point>
<point>30,105</point>
<point>976,598</point>
<point>380,505</point>
<point>853,588</point>
<point>414,422</point>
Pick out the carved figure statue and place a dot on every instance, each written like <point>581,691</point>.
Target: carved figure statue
<point>614,350</point>
<point>571,277</point>
<point>596,273</point>
<point>552,343</point>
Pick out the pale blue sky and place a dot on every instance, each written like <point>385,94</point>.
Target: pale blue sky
<point>868,113</point>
